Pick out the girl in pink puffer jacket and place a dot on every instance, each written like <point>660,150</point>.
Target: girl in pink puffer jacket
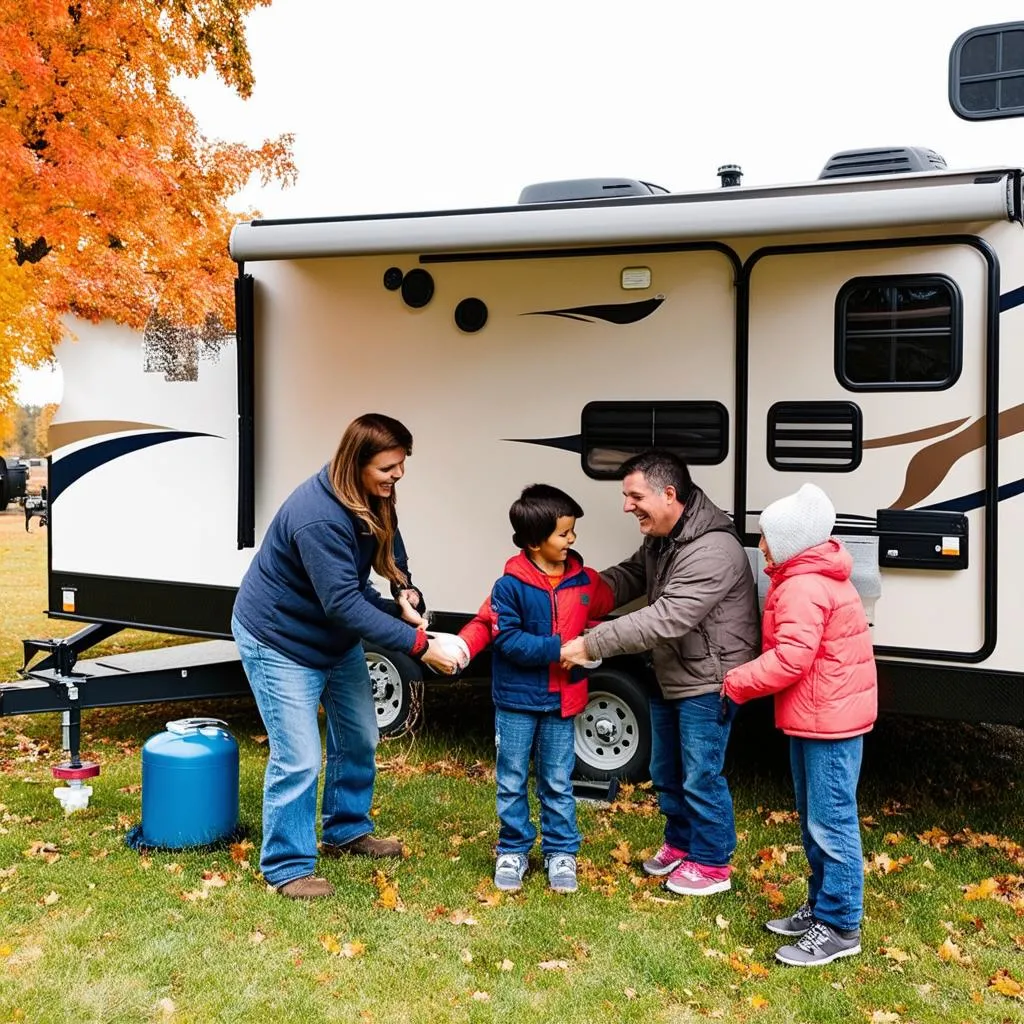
<point>818,662</point>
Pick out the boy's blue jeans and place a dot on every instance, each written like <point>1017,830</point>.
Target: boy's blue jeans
<point>825,774</point>
<point>688,741</point>
<point>548,739</point>
<point>288,695</point>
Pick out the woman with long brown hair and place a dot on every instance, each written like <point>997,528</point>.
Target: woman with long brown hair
<point>300,616</point>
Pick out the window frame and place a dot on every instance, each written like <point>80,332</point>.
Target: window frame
<point>956,332</point>
<point>957,80</point>
<point>653,406</point>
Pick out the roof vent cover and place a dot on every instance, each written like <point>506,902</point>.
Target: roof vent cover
<point>586,188</point>
<point>856,163</point>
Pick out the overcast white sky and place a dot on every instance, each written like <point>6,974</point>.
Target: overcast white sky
<point>401,105</point>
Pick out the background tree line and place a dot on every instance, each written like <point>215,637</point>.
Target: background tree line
<point>26,431</point>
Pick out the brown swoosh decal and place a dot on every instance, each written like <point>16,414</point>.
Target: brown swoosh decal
<point>928,468</point>
<point>61,434</point>
<point>924,434</point>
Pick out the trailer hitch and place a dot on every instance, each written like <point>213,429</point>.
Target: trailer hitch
<point>35,505</point>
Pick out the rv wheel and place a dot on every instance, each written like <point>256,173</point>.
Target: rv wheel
<point>397,691</point>
<point>613,732</point>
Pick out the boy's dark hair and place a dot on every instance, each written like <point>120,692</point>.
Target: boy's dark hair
<point>661,469</point>
<point>535,514</point>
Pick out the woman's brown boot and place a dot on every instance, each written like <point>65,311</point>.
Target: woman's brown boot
<point>308,888</point>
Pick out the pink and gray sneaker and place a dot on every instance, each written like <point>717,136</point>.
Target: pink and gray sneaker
<point>691,879</point>
<point>666,860</point>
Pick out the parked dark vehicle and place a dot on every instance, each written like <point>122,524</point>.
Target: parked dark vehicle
<point>13,481</point>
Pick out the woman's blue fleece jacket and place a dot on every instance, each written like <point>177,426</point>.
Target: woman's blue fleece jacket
<point>307,593</point>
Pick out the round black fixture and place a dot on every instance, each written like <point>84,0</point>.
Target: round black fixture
<point>393,279</point>
<point>470,315</point>
<point>417,288</point>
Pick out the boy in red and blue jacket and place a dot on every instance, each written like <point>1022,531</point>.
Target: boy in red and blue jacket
<point>545,598</point>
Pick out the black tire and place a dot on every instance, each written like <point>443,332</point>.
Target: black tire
<point>613,732</point>
<point>395,678</point>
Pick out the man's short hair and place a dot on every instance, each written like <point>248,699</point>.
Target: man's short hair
<point>661,469</point>
<point>535,514</point>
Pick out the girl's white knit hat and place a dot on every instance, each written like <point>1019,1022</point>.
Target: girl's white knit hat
<point>797,522</point>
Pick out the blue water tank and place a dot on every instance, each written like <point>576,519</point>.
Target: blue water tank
<point>189,784</point>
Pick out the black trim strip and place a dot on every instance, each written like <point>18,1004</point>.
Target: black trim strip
<point>191,609</point>
<point>245,350</point>
<point>598,250</point>
<point>991,490</point>
<point>957,693</point>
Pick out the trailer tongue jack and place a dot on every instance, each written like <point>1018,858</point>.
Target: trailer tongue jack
<point>60,682</point>
<point>74,796</point>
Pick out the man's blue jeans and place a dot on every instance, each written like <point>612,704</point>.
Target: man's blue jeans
<point>825,774</point>
<point>550,740</point>
<point>288,695</point>
<point>688,740</point>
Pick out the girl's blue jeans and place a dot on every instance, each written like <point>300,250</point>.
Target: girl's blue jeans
<point>288,696</point>
<point>825,774</point>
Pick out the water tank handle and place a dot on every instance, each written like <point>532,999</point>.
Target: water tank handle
<point>185,726</point>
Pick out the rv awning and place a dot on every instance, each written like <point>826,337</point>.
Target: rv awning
<point>837,205</point>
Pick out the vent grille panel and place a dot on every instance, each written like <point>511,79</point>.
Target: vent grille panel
<point>822,437</point>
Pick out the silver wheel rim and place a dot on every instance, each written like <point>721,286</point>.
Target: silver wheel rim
<point>388,690</point>
<point>607,732</point>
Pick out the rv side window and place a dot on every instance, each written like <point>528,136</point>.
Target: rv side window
<point>898,333</point>
<point>698,432</point>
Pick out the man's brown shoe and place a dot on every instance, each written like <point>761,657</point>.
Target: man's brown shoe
<point>364,846</point>
<point>308,888</point>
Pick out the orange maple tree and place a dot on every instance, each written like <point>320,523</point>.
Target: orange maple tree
<point>112,201</point>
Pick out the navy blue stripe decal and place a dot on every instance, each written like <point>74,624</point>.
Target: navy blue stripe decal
<point>612,312</point>
<point>569,443</point>
<point>1008,300</point>
<point>977,499</point>
<point>64,472</point>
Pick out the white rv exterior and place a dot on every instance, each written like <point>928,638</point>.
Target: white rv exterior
<point>739,322</point>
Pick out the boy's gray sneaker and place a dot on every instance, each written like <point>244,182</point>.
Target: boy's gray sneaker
<point>509,871</point>
<point>561,869</point>
<point>820,944</point>
<point>798,923</point>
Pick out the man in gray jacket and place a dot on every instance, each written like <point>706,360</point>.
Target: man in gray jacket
<point>701,619</point>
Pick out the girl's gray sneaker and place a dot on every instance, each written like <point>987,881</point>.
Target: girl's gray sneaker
<point>509,871</point>
<point>798,923</point>
<point>821,944</point>
<point>561,868</point>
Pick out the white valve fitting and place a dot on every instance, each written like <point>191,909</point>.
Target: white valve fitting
<point>74,796</point>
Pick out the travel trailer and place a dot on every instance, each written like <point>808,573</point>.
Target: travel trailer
<point>846,331</point>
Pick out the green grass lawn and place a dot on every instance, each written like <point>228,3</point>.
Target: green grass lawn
<point>91,931</point>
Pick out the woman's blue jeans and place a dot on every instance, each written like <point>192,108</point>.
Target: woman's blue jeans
<point>825,774</point>
<point>549,740</point>
<point>688,741</point>
<point>288,696</point>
